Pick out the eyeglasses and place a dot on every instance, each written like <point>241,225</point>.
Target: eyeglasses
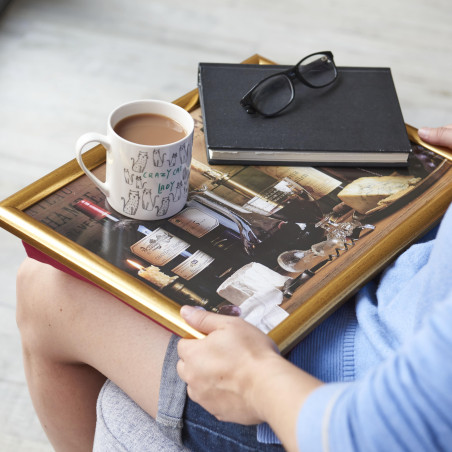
<point>275,93</point>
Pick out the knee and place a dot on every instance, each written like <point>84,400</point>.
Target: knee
<point>32,296</point>
<point>25,292</point>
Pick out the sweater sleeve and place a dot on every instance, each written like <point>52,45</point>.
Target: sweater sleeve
<point>404,404</point>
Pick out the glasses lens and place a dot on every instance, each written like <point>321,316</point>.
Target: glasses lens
<point>272,94</point>
<point>318,70</point>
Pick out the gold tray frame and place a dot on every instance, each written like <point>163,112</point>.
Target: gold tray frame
<point>324,300</point>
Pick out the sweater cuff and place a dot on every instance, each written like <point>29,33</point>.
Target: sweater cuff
<point>314,416</point>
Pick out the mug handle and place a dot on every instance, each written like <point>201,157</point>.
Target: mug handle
<point>85,139</point>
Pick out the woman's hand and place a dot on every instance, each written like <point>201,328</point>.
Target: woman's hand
<point>438,136</point>
<point>221,369</point>
<point>237,374</point>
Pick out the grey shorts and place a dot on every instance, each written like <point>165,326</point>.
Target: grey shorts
<point>123,426</point>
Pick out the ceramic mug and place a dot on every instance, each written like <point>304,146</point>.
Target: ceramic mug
<point>144,182</point>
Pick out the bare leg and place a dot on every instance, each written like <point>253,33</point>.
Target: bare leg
<point>74,335</point>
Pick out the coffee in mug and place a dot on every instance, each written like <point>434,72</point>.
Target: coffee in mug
<point>150,129</point>
<point>149,147</point>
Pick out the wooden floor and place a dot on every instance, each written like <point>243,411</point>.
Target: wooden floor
<point>65,64</point>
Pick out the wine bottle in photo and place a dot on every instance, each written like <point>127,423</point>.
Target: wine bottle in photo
<point>263,237</point>
<point>158,247</point>
<point>115,236</point>
<point>205,231</point>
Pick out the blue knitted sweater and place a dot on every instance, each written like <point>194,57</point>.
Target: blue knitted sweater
<point>386,357</point>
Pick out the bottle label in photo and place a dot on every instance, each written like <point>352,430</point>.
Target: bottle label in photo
<point>193,265</point>
<point>195,221</point>
<point>159,247</point>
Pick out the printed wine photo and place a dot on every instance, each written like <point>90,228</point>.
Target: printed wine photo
<point>250,239</point>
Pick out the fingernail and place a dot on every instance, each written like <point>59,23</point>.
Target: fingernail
<point>424,133</point>
<point>187,311</point>
<point>230,309</point>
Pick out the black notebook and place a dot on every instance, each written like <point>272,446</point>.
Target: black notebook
<point>356,120</point>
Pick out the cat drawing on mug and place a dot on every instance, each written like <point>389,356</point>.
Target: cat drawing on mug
<point>130,206</point>
<point>173,160</point>
<point>128,178</point>
<point>139,182</point>
<point>178,193</point>
<point>139,164</point>
<point>163,208</point>
<point>158,158</point>
<point>183,153</point>
<point>185,173</point>
<point>146,201</point>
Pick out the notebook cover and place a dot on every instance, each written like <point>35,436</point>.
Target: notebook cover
<point>359,113</point>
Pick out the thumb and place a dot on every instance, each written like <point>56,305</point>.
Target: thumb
<point>200,319</point>
<point>441,136</point>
